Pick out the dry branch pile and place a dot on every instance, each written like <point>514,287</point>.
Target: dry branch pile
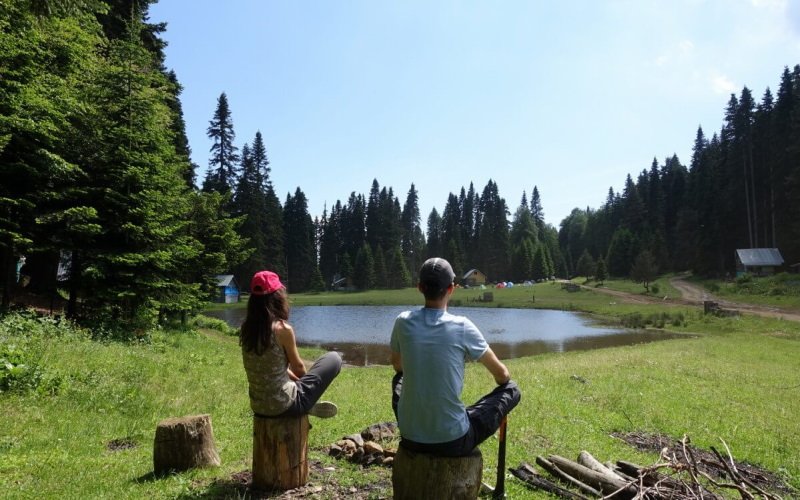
<point>679,474</point>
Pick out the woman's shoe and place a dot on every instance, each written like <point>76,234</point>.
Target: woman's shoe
<point>323,409</point>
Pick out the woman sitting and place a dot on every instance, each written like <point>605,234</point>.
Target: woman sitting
<point>279,384</point>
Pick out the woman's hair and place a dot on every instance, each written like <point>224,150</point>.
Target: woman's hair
<point>262,310</point>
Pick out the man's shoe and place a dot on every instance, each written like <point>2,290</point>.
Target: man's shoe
<point>323,409</point>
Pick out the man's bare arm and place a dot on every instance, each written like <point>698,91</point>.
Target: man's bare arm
<point>397,361</point>
<point>495,366</point>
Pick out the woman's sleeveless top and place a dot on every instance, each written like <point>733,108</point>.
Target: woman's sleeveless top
<point>271,389</point>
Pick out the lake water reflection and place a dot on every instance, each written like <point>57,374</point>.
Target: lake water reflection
<point>361,333</point>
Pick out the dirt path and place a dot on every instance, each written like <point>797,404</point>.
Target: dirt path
<point>694,295</point>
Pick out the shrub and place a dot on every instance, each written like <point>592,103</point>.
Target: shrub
<point>654,288</point>
<point>23,339</point>
<point>201,321</point>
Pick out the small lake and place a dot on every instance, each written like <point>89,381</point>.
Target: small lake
<point>361,333</point>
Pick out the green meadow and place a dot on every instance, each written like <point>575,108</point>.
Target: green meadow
<point>78,420</point>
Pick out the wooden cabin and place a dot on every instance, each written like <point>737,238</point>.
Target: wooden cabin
<point>227,289</point>
<point>473,277</point>
<point>758,261</point>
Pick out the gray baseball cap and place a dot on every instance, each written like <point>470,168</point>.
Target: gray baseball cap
<point>436,272</point>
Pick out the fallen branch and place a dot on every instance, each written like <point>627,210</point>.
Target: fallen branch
<point>555,471</point>
<point>529,476</point>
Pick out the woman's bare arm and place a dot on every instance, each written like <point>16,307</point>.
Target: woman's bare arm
<point>284,333</point>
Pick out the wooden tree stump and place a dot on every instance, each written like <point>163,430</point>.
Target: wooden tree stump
<point>280,452</point>
<point>182,443</point>
<point>419,476</point>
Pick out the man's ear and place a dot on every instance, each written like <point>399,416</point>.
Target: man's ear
<point>421,287</point>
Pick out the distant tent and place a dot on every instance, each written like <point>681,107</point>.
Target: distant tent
<point>758,261</point>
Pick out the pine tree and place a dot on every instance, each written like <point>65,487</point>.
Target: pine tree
<point>493,240</point>
<point>536,209</point>
<point>644,269</point>
<point>523,226</point>
<point>364,269</point>
<point>586,265</point>
<point>621,252</point>
<point>300,245</point>
<point>249,204</point>
<point>381,273</point>
<point>399,277</point>
<point>46,61</point>
<point>412,240</point>
<point>435,245</point>
<point>539,271</point>
<point>600,271</point>
<point>221,174</point>
<point>136,179</point>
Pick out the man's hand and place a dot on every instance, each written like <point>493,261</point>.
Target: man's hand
<point>495,367</point>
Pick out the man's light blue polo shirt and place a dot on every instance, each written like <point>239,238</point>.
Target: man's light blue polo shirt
<point>434,346</point>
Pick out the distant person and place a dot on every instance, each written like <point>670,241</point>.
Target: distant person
<point>429,349</point>
<point>279,384</point>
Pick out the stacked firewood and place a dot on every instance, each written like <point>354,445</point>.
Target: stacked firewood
<point>678,476</point>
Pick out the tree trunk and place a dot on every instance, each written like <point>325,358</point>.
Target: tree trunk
<point>182,443</point>
<point>280,452</point>
<point>419,475</point>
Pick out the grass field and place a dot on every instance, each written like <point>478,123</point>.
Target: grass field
<point>781,290</point>
<point>736,380</point>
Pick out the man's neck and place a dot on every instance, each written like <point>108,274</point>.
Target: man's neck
<point>437,304</point>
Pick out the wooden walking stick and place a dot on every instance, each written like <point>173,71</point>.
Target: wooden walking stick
<point>500,485</point>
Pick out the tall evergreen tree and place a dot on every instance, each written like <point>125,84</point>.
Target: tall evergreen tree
<point>221,174</point>
<point>300,242</point>
<point>250,204</point>
<point>493,244</point>
<point>412,241</point>
<point>537,212</point>
<point>435,245</point>
<point>364,269</point>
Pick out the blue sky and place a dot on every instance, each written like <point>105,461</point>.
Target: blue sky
<point>570,96</point>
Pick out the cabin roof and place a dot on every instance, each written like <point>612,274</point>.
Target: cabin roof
<point>470,273</point>
<point>759,256</point>
<point>225,280</point>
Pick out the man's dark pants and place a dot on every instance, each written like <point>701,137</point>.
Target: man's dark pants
<point>484,420</point>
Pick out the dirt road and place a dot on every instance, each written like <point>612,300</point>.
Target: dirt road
<point>694,295</point>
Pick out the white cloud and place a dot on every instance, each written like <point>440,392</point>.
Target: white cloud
<point>721,84</point>
<point>686,46</point>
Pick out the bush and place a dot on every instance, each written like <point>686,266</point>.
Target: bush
<point>201,321</point>
<point>23,340</point>
<point>654,288</point>
<point>656,320</point>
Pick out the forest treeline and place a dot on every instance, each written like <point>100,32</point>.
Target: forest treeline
<point>741,190</point>
<point>98,192</point>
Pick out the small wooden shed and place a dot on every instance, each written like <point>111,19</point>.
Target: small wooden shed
<point>227,289</point>
<point>758,261</point>
<point>473,277</point>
